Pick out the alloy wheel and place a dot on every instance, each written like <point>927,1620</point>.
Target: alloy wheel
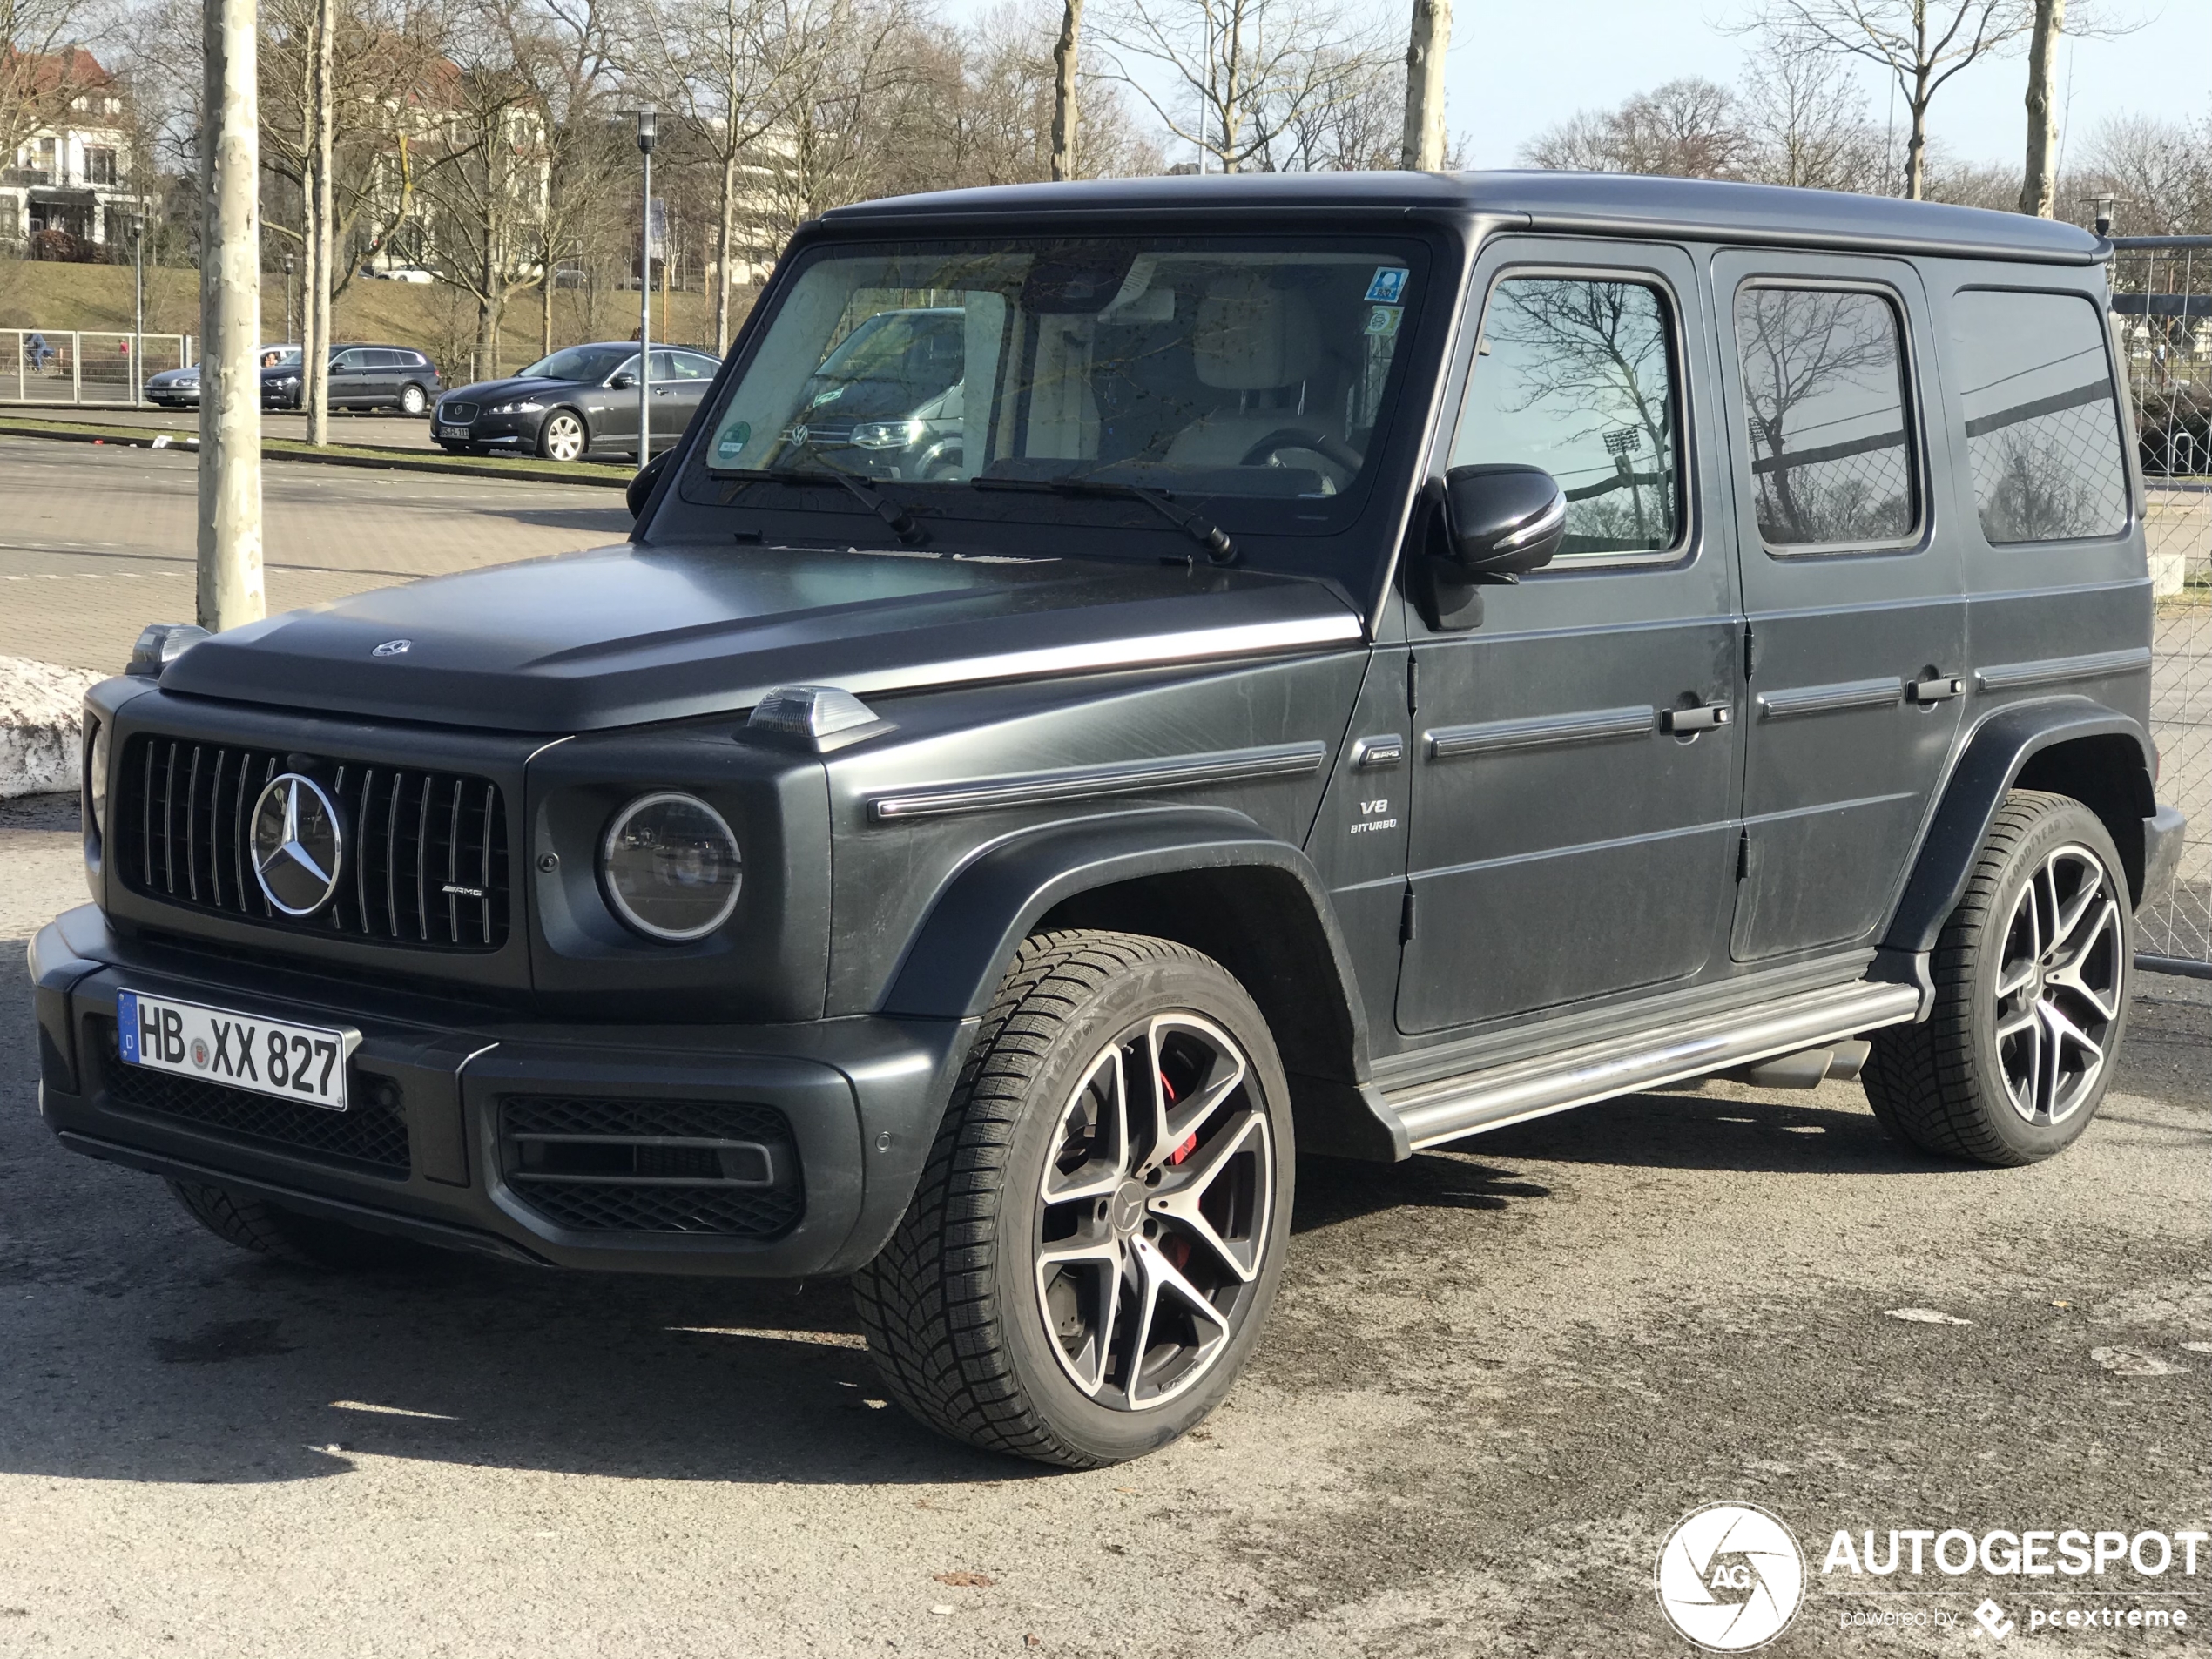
<point>563,437</point>
<point>2062,982</point>
<point>1153,1212</point>
<point>412,401</point>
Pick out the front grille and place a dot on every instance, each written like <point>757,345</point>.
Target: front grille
<point>370,1135</point>
<point>673,1166</point>
<point>424,862</point>
<point>457,414</point>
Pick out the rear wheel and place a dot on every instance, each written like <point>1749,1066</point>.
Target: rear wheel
<point>304,1241</point>
<point>562,437</point>
<point>413,400</point>
<point>1099,1231</point>
<point>2031,976</point>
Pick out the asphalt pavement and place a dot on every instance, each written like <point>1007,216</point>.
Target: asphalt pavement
<point>95,542</point>
<point>1496,1377</point>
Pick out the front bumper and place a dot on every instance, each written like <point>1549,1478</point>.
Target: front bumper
<point>862,1098</point>
<point>499,431</point>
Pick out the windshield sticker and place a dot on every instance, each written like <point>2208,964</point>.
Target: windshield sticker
<point>1382,320</point>
<point>733,441</point>
<point>1388,289</point>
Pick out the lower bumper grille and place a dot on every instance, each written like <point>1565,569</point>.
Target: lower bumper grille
<point>676,1166</point>
<point>371,1135</point>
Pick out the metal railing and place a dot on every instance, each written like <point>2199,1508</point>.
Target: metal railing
<point>2161,310</point>
<point>71,367</point>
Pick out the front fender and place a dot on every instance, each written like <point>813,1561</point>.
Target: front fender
<point>1994,757</point>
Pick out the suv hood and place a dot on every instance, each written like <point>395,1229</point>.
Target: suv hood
<point>627,635</point>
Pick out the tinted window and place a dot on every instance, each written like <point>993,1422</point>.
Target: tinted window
<point>350,360</point>
<point>1824,386</point>
<point>1576,376</point>
<point>2042,423</point>
<point>386,359</point>
<point>691,366</point>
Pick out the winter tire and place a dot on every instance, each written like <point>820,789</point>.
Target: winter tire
<point>2031,976</point>
<point>304,1241</point>
<point>1099,1228</point>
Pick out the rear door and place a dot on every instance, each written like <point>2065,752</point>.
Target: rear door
<point>1852,587</point>
<point>1574,769</point>
<point>680,380</point>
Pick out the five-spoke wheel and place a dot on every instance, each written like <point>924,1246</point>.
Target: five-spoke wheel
<point>2031,977</point>
<point>1152,1211</point>
<point>1098,1230</point>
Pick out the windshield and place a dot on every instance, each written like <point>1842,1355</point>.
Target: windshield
<point>1249,374</point>
<point>579,363</point>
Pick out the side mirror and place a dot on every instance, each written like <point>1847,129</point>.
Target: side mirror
<point>1501,521</point>
<point>621,382</point>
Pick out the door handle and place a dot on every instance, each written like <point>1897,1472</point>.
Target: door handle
<point>1700,719</point>
<point>1937,688</point>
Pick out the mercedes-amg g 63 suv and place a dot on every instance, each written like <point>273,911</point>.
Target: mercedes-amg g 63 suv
<point>1374,657</point>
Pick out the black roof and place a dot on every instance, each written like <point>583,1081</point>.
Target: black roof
<point>1617,203</point>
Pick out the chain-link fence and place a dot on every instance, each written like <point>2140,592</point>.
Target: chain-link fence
<point>70,367</point>
<point>2162,307</point>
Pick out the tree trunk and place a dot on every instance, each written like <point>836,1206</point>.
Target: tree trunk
<point>230,591</point>
<point>2038,182</point>
<point>315,364</point>
<point>723,237</point>
<point>1422,150</point>
<point>1916,143</point>
<point>1063,90</point>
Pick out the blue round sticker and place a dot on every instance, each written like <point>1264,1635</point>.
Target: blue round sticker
<point>733,441</point>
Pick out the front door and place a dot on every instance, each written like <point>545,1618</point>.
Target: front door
<point>350,378</point>
<point>1852,589</point>
<point>1575,770</point>
<point>613,409</point>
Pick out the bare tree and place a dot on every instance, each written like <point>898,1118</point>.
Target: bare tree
<point>1806,124</point>
<point>1921,45</point>
<point>1690,128</point>
<point>1249,69</point>
<point>1358,127</point>
<point>1421,147</point>
<point>1064,88</point>
<point>2161,170</point>
<point>2038,180</point>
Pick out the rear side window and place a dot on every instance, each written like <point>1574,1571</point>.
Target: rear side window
<point>1575,374</point>
<point>2042,420</point>
<point>1824,396</point>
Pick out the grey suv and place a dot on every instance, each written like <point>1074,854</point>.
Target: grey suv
<point>1397,655</point>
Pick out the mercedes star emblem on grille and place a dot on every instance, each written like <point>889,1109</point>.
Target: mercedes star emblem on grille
<point>297,844</point>
<point>393,648</point>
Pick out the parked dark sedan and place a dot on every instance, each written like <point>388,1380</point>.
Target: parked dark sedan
<point>361,377</point>
<point>581,400</point>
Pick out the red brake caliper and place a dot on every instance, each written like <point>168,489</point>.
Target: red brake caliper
<point>1188,1146</point>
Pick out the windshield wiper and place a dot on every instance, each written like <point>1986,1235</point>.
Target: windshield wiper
<point>900,521</point>
<point>1219,549</point>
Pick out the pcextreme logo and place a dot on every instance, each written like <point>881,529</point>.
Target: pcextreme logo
<point>1731,1577</point>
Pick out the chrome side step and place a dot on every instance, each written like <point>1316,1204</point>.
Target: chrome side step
<point>1450,1107</point>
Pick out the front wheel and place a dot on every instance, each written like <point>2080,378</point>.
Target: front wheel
<point>1100,1228</point>
<point>2031,976</point>
<point>562,437</point>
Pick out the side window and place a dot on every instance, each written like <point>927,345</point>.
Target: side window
<point>2042,420</point>
<point>346,360</point>
<point>1824,390</point>
<point>1576,376</point>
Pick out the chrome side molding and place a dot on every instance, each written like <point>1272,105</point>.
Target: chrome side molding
<point>1823,700</point>
<point>1094,783</point>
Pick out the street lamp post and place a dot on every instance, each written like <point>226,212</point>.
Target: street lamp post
<point>138,305</point>
<point>647,122</point>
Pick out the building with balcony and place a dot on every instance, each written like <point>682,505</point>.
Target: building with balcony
<point>67,193</point>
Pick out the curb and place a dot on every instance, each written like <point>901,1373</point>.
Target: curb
<point>388,460</point>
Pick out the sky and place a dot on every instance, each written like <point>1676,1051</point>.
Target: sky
<point>1517,66</point>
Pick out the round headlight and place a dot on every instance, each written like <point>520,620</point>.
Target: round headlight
<point>96,776</point>
<point>672,867</point>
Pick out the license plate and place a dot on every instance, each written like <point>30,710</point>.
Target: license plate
<point>297,1062</point>
<point>453,431</point>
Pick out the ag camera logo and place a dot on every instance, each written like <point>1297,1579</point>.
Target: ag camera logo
<point>1731,1577</point>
